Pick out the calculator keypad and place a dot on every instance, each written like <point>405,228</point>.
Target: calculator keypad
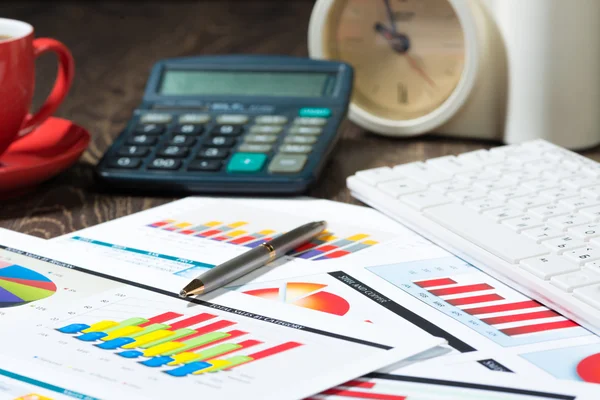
<point>236,143</point>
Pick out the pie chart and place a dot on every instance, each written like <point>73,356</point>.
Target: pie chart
<point>304,294</point>
<point>19,285</point>
<point>589,369</point>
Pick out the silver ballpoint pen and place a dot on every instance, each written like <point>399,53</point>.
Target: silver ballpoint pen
<point>245,263</point>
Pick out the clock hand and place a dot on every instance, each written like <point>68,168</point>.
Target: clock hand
<point>390,15</point>
<point>415,65</point>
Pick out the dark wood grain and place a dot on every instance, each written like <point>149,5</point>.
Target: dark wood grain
<point>116,43</point>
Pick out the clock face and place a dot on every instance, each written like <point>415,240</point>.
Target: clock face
<point>408,55</point>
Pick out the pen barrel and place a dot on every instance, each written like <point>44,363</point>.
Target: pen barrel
<point>235,268</point>
<point>296,237</point>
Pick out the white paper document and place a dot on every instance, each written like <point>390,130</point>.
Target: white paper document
<point>68,333</point>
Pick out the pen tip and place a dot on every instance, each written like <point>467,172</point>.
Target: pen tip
<point>183,293</point>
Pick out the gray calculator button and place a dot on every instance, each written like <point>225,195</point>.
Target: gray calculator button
<point>125,162</point>
<point>305,130</point>
<point>271,119</point>
<point>165,163</point>
<point>272,129</point>
<point>301,139</point>
<point>256,138</point>
<point>156,118</point>
<point>287,163</point>
<point>296,148</point>
<point>310,121</point>
<point>194,118</point>
<point>255,148</point>
<point>232,119</point>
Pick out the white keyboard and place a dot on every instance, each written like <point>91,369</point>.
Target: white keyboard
<point>527,214</point>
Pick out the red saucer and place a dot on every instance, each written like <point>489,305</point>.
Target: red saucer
<point>42,154</point>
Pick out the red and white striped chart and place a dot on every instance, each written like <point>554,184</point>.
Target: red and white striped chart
<point>478,301</point>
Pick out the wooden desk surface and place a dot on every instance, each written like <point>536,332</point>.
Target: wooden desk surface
<point>116,43</point>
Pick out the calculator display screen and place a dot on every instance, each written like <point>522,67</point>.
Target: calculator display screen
<point>250,83</point>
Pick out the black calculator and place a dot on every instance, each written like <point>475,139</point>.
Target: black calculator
<point>232,124</point>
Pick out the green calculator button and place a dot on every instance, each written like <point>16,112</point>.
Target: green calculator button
<point>315,112</point>
<point>246,162</point>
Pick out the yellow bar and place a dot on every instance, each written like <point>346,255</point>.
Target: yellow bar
<point>236,233</point>
<point>128,330</point>
<point>162,348</point>
<point>357,237</point>
<point>370,242</point>
<point>183,358</point>
<point>168,220</point>
<point>213,223</point>
<point>266,232</point>
<point>327,238</point>
<point>183,225</point>
<point>149,337</point>
<point>215,365</point>
<point>100,326</point>
<point>237,224</point>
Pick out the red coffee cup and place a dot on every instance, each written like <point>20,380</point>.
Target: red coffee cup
<point>18,51</point>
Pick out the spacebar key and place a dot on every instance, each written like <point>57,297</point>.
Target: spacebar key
<point>495,238</point>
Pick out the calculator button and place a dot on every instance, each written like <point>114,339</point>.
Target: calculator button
<point>262,139</point>
<point>301,139</point>
<point>134,151</point>
<point>182,140</point>
<point>220,141</point>
<point>232,119</point>
<point>165,163</point>
<point>205,165</point>
<point>213,152</point>
<point>310,121</point>
<point>269,129</point>
<point>227,130</point>
<point>315,112</point>
<point>305,130</point>
<point>156,118</point>
<point>271,119</point>
<point>246,162</point>
<point>287,163</point>
<point>295,148</point>
<point>125,162</point>
<point>188,129</point>
<point>150,129</point>
<point>142,140</point>
<point>174,151</point>
<point>256,148</point>
<point>194,119</point>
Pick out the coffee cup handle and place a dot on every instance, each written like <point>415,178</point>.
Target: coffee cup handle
<point>62,84</point>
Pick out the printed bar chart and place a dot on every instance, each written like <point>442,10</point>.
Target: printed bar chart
<point>476,300</point>
<point>193,344</point>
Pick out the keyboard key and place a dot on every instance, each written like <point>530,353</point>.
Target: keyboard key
<point>401,187</point>
<point>450,165</point>
<point>264,139</point>
<point>499,214</point>
<point>561,244</point>
<point>558,193</point>
<point>467,195</point>
<point>585,232</point>
<point>268,129</point>
<point>205,165</point>
<point>296,148</point>
<point>528,202</point>
<point>574,280</point>
<point>558,173</point>
<point>255,148</point>
<point>450,186</point>
<point>271,119</point>
<point>198,119</point>
<point>539,165</point>
<point>150,129</point>
<point>592,192</point>
<point>542,233</point>
<point>548,211</point>
<point>487,203</point>
<point>547,266</point>
<point>156,118</point>
<point>591,212</point>
<point>494,185</point>
<point>495,238</point>
<point>213,152</point>
<point>582,255</point>
<point>486,174</point>
<point>142,140</point>
<point>423,200</point>
<point>422,173</point>
<point>174,151</point>
<point>125,162</point>
<point>589,295</point>
<point>188,129</point>
<point>287,163</point>
<point>246,162</point>
<point>227,130</point>
<point>579,182</point>
<point>576,203</point>
<point>541,184</point>
<point>134,151</point>
<point>305,130</point>
<point>377,175</point>
<point>220,141</point>
<point>511,192</point>
<point>521,223</point>
<point>520,176</point>
<point>232,119</point>
<point>565,222</point>
<point>182,140</point>
<point>296,139</point>
<point>481,157</point>
<point>310,121</point>
<point>165,164</point>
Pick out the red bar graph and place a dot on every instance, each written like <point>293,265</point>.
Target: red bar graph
<point>521,305</point>
<point>461,289</point>
<point>520,317</point>
<point>196,319</point>
<point>232,334</point>
<point>538,328</point>
<point>159,319</point>
<point>274,350</point>
<point>215,326</point>
<point>209,233</point>
<point>463,301</point>
<point>362,384</point>
<point>362,395</point>
<point>242,240</point>
<point>337,254</point>
<point>305,247</point>
<point>187,232</point>
<point>435,282</point>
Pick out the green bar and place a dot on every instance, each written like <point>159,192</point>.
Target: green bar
<point>217,351</point>
<point>233,361</point>
<point>149,329</point>
<point>198,341</point>
<point>176,335</point>
<point>127,322</point>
